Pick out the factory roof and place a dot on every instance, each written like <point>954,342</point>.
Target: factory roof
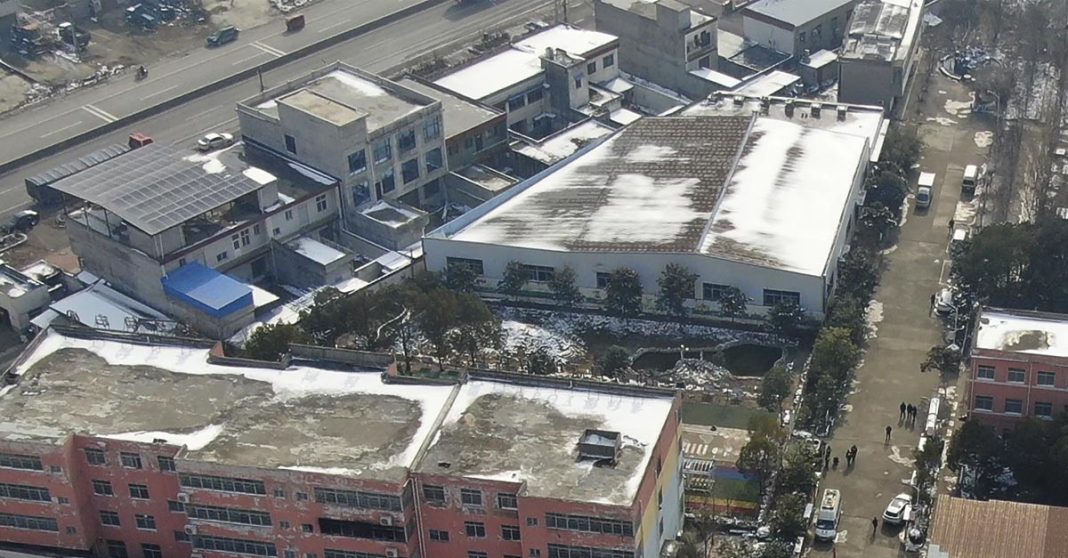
<point>340,422</point>
<point>528,433</point>
<point>341,94</point>
<point>882,29</point>
<point>1022,331</point>
<point>998,529</point>
<point>459,115</point>
<point>158,187</point>
<point>564,143</point>
<point>575,41</point>
<point>794,12</point>
<point>755,190</point>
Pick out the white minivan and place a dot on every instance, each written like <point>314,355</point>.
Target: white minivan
<point>925,188</point>
<point>829,514</point>
<point>971,178</point>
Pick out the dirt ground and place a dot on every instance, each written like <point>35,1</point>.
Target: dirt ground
<point>12,91</point>
<point>245,14</point>
<point>47,241</point>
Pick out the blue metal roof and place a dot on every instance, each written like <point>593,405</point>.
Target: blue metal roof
<point>207,290</point>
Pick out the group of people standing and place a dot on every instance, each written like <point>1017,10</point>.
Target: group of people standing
<point>908,414</point>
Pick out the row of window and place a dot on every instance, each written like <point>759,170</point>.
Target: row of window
<point>563,551</point>
<point>104,488</point>
<point>1043,409</point>
<point>229,515</point>
<point>1017,375</point>
<point>469,497</point>
<point>24,462</point>
<point>358,499</point>
<point>222,484</point>
<point>237,546</point>
<point>589,524</point>
<point>382,150</point>
<point>117,549</point>
<point>25,492</point>
<point>606,62</point>
<point>29,522</point>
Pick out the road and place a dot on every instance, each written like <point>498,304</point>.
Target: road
<point>917,267</point>
<point>379,50</point>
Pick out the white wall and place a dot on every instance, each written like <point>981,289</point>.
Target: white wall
<point>768,35</point>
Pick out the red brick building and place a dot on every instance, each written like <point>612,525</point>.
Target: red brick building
<point>114,449</point>
<point>1019,366</point>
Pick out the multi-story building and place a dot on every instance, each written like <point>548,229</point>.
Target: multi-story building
<point>117,449</point>
<point>662,42</point>
<point>880,52</point>
<point>379,139</point>
<point>185,232</point>
<point>1018,366</point>
<point>794,26</point>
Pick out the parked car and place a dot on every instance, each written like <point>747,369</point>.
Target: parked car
<point>828,515</point>
<point>898,510</point>
<point>22,221</point>
<point>215,141</point>
<point>943,305</point>
<point>925,185</point>
<point>225,35</point>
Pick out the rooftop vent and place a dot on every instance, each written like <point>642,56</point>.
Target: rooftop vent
<point>600,445</point>
<point>842,112</point>
<point>815,110</point>
<point>765,103</point>
<point>739,100</point>
<point>788,108</point>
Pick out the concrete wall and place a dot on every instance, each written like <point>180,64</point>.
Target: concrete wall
<point>292,268</point>
<point>768,34</point>
<point>866,82</point>
<point>825,31</point>
<point>33,297</point>
<point>464,149</point>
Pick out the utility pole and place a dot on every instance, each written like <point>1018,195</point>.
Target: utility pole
<point>259,73</point>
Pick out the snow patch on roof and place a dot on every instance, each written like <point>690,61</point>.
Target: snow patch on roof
<point>565,143</point>
<point>572,40</point>
<point>316,251</point>
<point>356,82</point>
<point>1037,334</point>
<point>484,78</point>
<point>193,441</point>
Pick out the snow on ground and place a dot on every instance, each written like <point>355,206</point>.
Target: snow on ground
<point>193,440</point>
<point>984,139</point>
<point>530,338</point>
<point>873,314</point>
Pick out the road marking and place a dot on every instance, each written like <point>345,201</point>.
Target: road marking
<point>334,26</point>
<point>160,92</point>
<point>104,115</point>
<point>269,50</point>
<point>58,130</point>
<point>258,54</point>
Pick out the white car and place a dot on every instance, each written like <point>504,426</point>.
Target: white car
<point>215,141</point>
<point>898,509</point>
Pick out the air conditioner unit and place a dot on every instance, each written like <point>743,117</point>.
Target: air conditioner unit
<point>190,529</point>
<point>386,520</point>
<point>392,553</point>
<point>183,497</point>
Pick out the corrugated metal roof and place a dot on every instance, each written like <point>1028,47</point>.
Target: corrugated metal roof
<point>998,529</point>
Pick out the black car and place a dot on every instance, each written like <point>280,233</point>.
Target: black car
<point>225,35</point>
<point>22,221</point>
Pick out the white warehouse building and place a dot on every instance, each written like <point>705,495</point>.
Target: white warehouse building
<point>759,203</point>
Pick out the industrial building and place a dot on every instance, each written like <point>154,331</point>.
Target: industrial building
<point>763,204</point>
<point>1018,366</point>
<point>879,54</point>
<point>796,26</point>
<point>115,448</point>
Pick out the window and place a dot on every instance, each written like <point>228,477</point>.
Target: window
<point>535,95</point>
<point>1047,378</point>
<point>773,297</point>
<point>358,499</point>
<point>603,277</point>
<point>537,272</point>
<point>279,493</point>
<point>236,241</point>
<point>1017,375</point>
<point>476,267</point>
<point>290,554</point>
<point>1043,409</point>
<point>109,518</point>
<point>507,501</point>
<point>102,488</point>
<point>130,460</point>
<point>608,61</point>
<point>535,553</point>
<point>564,551</point>
<point>1014,406</point>
<point>222,484</point>
<point>139,491</point>
<point>246,237</point>
<point>510,532</point>
<point>388,182</point>
<point>145,522</point>
<point>984,372</point>
<point>331,553</point>
<point>591,67</point>
<point>276,231</point>
<point>307,528</point>
<point>476,554</point>
<point>410,170</point>
<point>801,37</point>
<point>237,546</point>
<point>433,160</point>
<point>984,403</point>
<point>222,256</point>
<point>165,463</point>
<point>475,529</point>
<point>361,192</point>
<point>29,522</point>
<point>470,497</point>
<point>26,462</point>
<point>358,161</point>
<point>383,151</point>
<point>713,291</point>
<point>151,550</point>
<point>432,128</point>
<point>55,469</point>
<point>406,141</point>
<point>284,525</point>
<point>434,493</point>
<point>291,144</point>
<point>517,102</point>
<point>25,492</point>
<point>175,506</point>
<point>94,456</point>
<point>589,524</point>
<point>256,230</point>
<point>181,536</point>
<point>439,535</point>
<point>320,203</point>
<point>288,215</point>
<point>117,549</point>
<point>302,496</point>
<point>230,515</point>
<point>532,522</point>
<point>578,83</point>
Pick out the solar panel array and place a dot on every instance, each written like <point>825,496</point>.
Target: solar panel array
<point>78,165</point>
<point>157,187</point>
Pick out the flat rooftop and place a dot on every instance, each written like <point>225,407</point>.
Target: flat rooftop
<point>344,95</point>
<point>754,190</point>
<point>998,529</point>
<point>350,423</point>
<point>459,115</point>
<point>795,12</point>
<point>768,84</point>
<point>564,143</point>
<point>1018,331</point>
<point>511,432</point>
<point>882,29</point>
<point>575,41</point>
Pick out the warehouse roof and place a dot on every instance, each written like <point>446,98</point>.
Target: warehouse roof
<point>1022,331</point>
<point>795,12</point>
<point>882,29</point>
<point>575,41</point>
<point>997,529</point>
<point>755,190</point>
<point>158,187</point>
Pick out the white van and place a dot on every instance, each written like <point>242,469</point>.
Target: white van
<point>828,515</point>
<point>925,189</point>
<point>971,178</point>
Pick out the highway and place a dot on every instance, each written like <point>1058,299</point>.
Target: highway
<point>378,51</point>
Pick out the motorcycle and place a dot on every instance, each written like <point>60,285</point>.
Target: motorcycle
<point>142,73</point>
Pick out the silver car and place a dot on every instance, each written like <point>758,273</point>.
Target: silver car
<point>898,509</point>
